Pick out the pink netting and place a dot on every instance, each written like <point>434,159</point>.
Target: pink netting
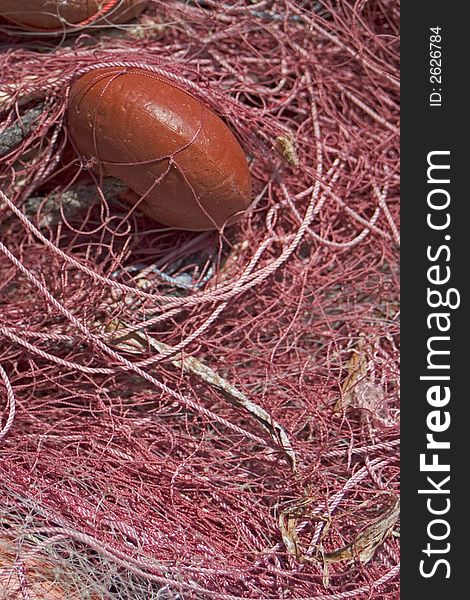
<point>119,449</point>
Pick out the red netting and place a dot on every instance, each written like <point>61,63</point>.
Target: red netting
<point>128,468</point>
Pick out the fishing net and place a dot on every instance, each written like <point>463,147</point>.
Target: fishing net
<point>214,414</point>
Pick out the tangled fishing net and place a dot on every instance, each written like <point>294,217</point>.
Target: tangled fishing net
<point>205,415</point>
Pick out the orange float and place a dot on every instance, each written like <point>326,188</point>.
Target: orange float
<point>62,15</point>
<point>184,165</point>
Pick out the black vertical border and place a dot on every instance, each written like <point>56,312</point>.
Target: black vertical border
<point>425,129</point>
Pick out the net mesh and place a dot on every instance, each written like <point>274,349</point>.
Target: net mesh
<point>206,415</point>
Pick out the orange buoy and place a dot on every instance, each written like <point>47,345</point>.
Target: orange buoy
<point>59,15</point>
<point>181,160</point>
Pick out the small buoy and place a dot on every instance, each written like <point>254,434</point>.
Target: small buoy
<point>66,15</point>
<point>184,165</point>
